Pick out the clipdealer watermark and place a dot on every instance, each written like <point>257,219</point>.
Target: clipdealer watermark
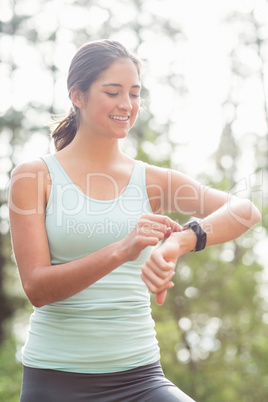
<point>188,198</point>
<point>88,229</point>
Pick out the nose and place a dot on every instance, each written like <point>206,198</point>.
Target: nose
<point>125,103</point>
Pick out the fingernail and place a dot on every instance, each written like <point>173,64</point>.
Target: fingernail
<point>168,232</point>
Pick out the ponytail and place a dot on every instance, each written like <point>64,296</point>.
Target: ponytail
<point>65,130</point>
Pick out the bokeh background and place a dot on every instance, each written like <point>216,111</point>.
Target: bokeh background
<point>205,90</point>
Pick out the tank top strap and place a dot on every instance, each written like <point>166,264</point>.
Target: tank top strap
<point>137,186</point>
<point>57,174</point>
<point>139,176</point>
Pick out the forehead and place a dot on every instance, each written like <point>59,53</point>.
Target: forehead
<point>123,71</point>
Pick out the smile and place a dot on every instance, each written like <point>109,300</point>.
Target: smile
<point>121,118</point>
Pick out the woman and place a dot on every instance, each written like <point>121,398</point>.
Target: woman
<point>84,221</point>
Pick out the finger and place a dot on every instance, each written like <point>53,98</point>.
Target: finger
<point>156,284</point>
<point>160,234</point>
<point>150,241</point>
<point>160,269</point>
<point>166,220</point>
<point>174,225</point>
<point>157,260</point>
<point>168,232</point>
<point>160,297</point>
<point>147,226</point>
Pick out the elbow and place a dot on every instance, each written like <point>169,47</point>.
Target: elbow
<point>254,214</point>
<point>245,212</point>
<point>34,295</point>
<point>38,303</point>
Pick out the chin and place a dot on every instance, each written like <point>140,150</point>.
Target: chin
<point>121,134</point>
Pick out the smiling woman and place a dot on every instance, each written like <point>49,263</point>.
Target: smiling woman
<point>83,223</point>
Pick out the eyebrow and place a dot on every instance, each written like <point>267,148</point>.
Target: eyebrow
<point>112,84</point>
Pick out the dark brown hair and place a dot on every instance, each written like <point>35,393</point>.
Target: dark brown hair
<point>86,66</point>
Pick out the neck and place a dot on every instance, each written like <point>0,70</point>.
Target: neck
<point>97,150</point>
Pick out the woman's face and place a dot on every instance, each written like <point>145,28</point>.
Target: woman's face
<point>113,101</point>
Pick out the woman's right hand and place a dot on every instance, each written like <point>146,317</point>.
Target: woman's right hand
<point>149,230</point>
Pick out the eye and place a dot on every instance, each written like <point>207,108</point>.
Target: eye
<point>135,96</point>
<point>111,94</point>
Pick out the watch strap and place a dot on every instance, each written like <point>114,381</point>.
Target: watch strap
<point>201,236</point>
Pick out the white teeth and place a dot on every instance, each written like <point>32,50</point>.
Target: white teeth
<point>119,118</point>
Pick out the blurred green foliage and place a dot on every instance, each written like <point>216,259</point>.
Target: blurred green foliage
<point>10,372</point>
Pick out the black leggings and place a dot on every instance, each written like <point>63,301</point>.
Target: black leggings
<point>146,383</point>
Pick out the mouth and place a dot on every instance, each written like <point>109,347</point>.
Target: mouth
<point>118,118</point>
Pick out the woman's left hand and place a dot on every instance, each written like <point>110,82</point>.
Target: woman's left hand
<point>159,269</point>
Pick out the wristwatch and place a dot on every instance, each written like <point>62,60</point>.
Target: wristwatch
<point>201,236</point>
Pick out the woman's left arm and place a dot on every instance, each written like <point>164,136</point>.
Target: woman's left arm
<point>222,216</point>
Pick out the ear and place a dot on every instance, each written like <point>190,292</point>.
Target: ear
<point>77,98</point>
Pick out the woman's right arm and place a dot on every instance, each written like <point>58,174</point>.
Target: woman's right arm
<point>44,283</point>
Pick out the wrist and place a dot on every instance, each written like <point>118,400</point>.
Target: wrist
<point>120,252</point>
<point>185,240</point>
<point>201,236</point>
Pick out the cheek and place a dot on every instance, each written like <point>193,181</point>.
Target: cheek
<point>98,110</point>
<point>136,107</point>
<point>98,105</point>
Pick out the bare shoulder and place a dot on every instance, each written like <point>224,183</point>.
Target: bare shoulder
<point>163,176</point>
<point>155,174</point>
<point>171,177</point>
<point>29,184</point>
<point>32,166</point>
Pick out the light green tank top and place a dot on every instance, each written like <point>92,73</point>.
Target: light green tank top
<point>107,327</point>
